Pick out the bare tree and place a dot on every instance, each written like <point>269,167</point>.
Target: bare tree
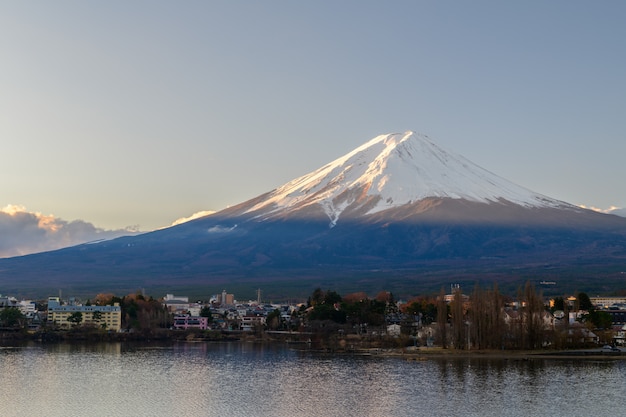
<point>486,315</point>
<point>442,318</point>
<point>532,318</point>
<point>458,320</point>
<point>478,316</point>
<point>496,319</point>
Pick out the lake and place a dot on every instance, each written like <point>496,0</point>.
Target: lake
<point>246,379</point>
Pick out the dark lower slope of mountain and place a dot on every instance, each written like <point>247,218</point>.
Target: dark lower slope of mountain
<point>408,251</point>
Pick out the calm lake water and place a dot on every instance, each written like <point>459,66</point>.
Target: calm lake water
<point>242,379</point>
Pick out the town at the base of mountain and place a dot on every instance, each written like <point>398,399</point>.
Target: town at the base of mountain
<point>481,320</point>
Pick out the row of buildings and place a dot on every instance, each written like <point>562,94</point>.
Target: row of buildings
<point>224,312</point>
<point>62,314</point>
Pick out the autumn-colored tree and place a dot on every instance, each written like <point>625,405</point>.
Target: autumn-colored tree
<point>104,299</point>
<point>354,297</point>
<point>384,296</point>
<point>424,307</point>
<point>141,313</point>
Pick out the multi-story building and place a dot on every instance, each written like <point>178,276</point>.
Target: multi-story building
<point>250,321</point>
<point>618,316</point>
<point>226,299</point>
<point>181,305</point>
<point>27,307</point>
<point>109,317</point>
<point>606,302</point>
<point>6,301</point>
<point>191,322</point>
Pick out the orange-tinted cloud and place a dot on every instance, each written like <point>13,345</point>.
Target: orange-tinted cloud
<point>24,232</point>
<point>192,217</point>
<point>619,211</point>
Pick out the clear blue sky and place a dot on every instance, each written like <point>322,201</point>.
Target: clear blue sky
<point>141,112</point>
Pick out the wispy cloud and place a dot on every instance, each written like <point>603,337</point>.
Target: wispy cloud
<point>23,232</point>
<point>221,229</point>
<point>192,217</point>
<point>618,211</point>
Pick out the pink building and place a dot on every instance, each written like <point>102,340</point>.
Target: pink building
<point>191,322</point>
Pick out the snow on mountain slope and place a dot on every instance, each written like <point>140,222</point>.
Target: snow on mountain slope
<point>393,170</point>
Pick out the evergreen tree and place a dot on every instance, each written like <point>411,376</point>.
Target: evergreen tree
<point>75,318</point>
<point>584,302</point>
<point>11,317</point>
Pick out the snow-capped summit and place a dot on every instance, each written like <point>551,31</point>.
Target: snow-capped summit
<point>390,171</point>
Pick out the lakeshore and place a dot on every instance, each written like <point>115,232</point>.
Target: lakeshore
<point>587,354</point>
<point>302,342</point>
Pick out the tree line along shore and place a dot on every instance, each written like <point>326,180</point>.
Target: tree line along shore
<point>484,321</point>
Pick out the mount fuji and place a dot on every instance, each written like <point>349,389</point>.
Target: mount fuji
<point>398,213</point>
<point>390,172</point>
